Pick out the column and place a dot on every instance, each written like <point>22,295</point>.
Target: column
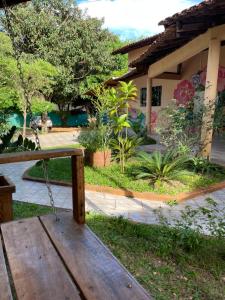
<point>149,105</point>
<point>210,96</point>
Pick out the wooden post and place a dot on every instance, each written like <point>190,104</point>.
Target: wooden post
<point>210,96</point>
<point>149,105</point>
<point>7,188</point>
<point>78,193</point>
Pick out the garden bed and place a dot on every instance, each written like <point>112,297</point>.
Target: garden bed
<point>110,180</point>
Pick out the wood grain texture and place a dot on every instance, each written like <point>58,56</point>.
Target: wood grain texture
<point>38,272</point>
<point>97,272</point>
<point>78,194</point>
<point>37,155</point>
<point>5,290</point>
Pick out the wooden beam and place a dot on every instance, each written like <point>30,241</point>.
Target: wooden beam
<point>210,97</point>
<point>78,194</point>
<point>169,76</point>
<point>38,155</point>
<point>187,51</point>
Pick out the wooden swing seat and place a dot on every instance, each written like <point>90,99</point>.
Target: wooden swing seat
<point>41,258</point>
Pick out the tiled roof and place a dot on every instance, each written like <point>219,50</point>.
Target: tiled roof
<point>135,45</point>
<point>182,28</point>
<point>206,8</point>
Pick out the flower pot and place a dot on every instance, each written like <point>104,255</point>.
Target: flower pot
<point>7,188</point>
<point>98,159</point>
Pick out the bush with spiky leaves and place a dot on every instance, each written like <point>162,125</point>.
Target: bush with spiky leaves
<point>158,167</point>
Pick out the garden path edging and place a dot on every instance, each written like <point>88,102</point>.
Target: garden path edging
<point>133,194</point>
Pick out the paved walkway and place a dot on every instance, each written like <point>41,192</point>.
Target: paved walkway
<point>59,138</point>
<point>131,208</point>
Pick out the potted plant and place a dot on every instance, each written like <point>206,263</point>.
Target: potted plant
<point>96,143</point>
<point>7,188</point>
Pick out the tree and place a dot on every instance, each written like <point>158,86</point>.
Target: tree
<point>60,33</point>
<point>38,78</point>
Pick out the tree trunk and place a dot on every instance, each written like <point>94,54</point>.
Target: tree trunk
<point>44,122</point>
<point>24,122</point>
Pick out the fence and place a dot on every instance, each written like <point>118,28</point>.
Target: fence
<point>72,120</point>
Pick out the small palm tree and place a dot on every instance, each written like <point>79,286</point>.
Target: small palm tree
<point>159,167</point>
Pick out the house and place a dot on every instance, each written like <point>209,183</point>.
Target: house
<point>171,65</point>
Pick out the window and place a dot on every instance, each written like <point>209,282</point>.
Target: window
<point>156,96</point>
<point>143,96</point>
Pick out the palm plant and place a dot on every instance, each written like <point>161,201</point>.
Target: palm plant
<point>158,167</point>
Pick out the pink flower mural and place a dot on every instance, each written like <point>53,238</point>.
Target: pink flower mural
<point>184,92</point>
<point>221,78</point>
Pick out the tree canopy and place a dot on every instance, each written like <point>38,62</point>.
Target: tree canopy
<point>58,32</point>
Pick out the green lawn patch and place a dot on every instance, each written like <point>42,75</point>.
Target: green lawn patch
<point>27,210</point>
<point>167,271</point>
<point>60,169</point>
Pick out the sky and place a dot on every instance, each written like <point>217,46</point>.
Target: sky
<point>132,19</point>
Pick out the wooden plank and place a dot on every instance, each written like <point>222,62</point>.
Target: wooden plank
<point>77,164</point>
<point>5,290</point>
<point>37,271</point>
<point>37,155</point>
<point>97,272</point>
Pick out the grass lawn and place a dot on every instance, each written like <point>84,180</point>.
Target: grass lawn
<point>60,169</point>
<point>164,268</point>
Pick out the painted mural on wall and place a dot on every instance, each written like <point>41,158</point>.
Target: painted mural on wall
<point>187,89</point>
<point>136,116</point>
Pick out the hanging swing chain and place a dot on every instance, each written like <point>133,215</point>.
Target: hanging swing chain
<point>17,55</point>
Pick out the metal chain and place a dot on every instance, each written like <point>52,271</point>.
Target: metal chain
<point>17,55</point>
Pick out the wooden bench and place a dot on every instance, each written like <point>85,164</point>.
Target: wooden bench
<point>41,258</point>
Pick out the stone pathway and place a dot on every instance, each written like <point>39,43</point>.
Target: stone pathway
<point>59,138</point>
<point>130,208</point>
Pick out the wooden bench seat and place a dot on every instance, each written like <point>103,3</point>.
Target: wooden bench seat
<point>61,260</point>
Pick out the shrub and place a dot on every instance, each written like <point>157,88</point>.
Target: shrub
<point>96,139</point>
<point>203,166</point>
<point>159,167</point>
<point>188,228</point>
<point>125,148</point>
<point>11,142</point>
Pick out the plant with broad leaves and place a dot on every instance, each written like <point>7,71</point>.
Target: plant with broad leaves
<point>13,143</point>
<point>124,149</point>
<point>204,166</point>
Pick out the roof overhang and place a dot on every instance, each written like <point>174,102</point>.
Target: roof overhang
<point>182,28</point>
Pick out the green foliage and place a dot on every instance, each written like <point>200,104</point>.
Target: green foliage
<point>82,54</point>
<point>192,222</point>
<point>41,106</point>
<point>203,166</point>
<point>13,143</point>
<point>159,167</point>
<point>38,78</point>
<point>180,128</point>
<point>96,139</point>
<point>120,102</point>
<point>124,149</point>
